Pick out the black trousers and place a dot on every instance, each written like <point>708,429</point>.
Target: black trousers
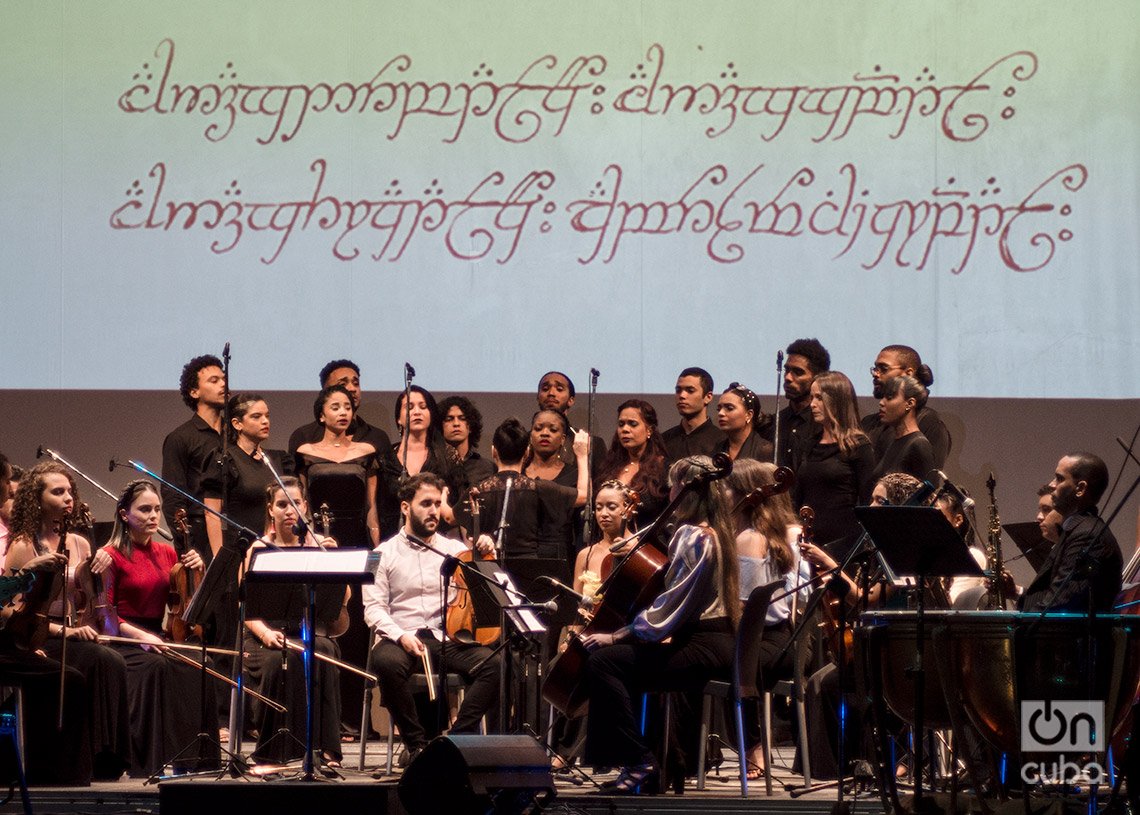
<point>393,665</point>
<point>619,673</point>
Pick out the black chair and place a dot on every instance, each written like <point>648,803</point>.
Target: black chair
<point>743,686</point>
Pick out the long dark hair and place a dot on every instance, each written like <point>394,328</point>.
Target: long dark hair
<point>649,483</point>
<point>239,405</point>
<point>707,503</point>
<point>27,509</point>
<point>435,423</point>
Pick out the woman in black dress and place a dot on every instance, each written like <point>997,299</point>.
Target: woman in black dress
<point>833,475</point>
<point>910,451</point>
<point>339,477</point>
<point>636,458</point>
<point>279,672</point>
<point>539,511</point>
<point>235,487</point>
<point>339,473</point>
<point>738,414</point>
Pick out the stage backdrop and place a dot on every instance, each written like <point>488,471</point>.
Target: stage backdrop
<point>490,189</point>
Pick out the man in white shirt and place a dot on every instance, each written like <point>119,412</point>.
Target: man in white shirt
<point>405,609</point>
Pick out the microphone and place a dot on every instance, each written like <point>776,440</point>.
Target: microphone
<point>779,361</point>
<point>550,606</point>
<point>954,489</point>
<point>409,371</point>
<point>558,584</point>
<point>595,373</point>
<point>112,465</point>
<point>226,351</point>
<point>40,452</point>
<point>921,496</point>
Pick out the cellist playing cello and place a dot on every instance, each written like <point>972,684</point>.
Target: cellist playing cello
<point>697,614</point>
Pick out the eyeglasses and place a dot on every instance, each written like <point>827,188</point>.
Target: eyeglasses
<point>882,368</point>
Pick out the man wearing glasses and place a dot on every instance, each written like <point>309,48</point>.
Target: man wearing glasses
<point>896,360</point>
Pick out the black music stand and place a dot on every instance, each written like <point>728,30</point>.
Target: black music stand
<point>1030,542</point>
<point>302,571</point>
<point>492,599</point>
<point>918,541</point>
<point>215,582</point>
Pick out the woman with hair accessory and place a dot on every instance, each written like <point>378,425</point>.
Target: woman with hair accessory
<point>738,414</point>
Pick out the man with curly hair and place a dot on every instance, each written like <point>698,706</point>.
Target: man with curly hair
<point>191,446</point>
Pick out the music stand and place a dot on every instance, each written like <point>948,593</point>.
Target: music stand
<point>493,594</point>
<point>918,541</point>
<point>1030,542</point>
<point>304,570</point>
<point>527,571</point>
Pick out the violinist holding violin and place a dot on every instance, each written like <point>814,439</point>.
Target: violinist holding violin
<point>46,504</point>
<point>405,607</point>
<point>164,693</point>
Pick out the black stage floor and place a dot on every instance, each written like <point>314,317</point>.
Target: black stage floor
<point>358,793</point>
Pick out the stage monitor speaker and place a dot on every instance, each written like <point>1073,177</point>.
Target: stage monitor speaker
<point>458,775</point>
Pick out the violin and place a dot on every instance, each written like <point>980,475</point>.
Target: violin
<point>183,584</point>
<point>30,625</point>
<point>460,619</point>
<point>829,606</point>
<point>92,607</point>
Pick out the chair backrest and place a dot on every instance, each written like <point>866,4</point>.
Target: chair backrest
<point>749,635</point>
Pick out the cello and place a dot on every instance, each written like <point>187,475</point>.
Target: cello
<point>460,622</point>
<point>632,585</point>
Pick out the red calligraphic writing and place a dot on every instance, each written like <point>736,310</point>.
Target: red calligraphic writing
<point>966,111</point>
<point>538,100</point>
<point>763,204</point>
<point>488,222</point>
<point>541,98</point>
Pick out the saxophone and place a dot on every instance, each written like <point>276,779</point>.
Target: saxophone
<point>995,594</point>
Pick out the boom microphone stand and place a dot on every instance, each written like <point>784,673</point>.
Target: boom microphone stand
<point>42,451</point>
